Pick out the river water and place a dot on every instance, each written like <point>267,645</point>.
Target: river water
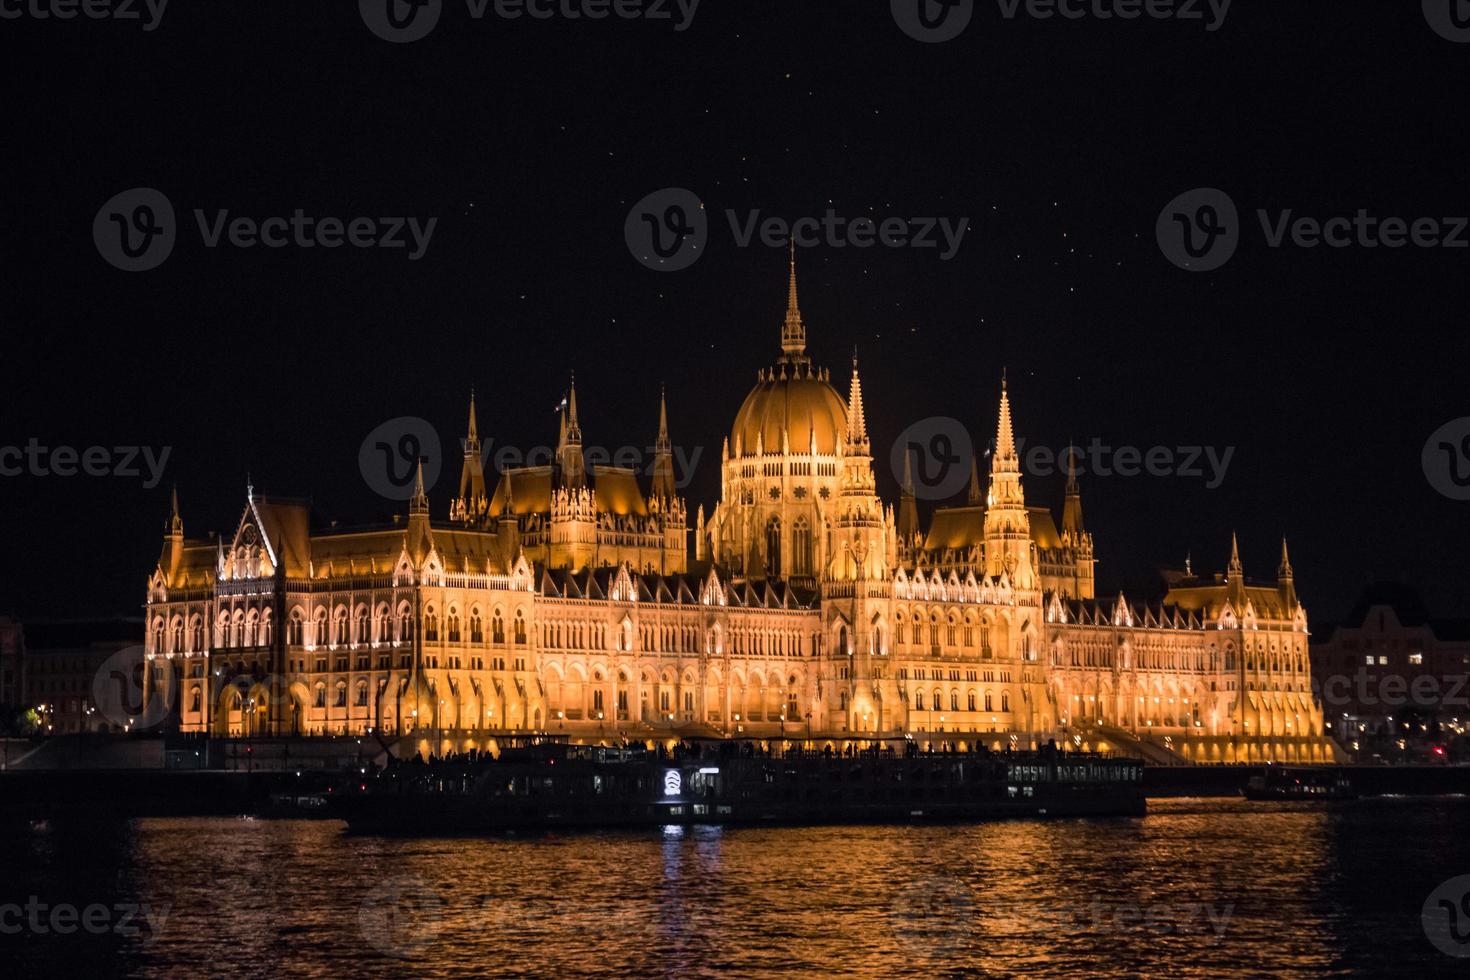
<point>1198,888</point>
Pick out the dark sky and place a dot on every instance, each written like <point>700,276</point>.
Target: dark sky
<point>1325,369</point>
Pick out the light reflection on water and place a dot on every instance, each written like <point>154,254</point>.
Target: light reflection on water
<point>1199,888</point>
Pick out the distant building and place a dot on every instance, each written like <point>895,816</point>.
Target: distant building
<point>62,661</point>
<point>1389,673</point>
<point>12,662</point>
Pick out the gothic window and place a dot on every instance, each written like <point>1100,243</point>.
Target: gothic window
<point>520,627</point>
<point>1005,700</point>
<point>918,700</point>
<point>341,700</point>
<point>497,628</point>
<point>362,694</point>
<point>824,493</point>
<point>989,702</point>
<point>431,626</point>
<point>970,701</point>
<point>453,626</point>
<point>800,493</point>
<point>934,631</point>
<point>775,493</point>
<point>954,700</point>
<point>477,627</point>
<point>196,634</point>
<point>898,633</point>
<point>321,695</point>
<point>177,638</point>
<point>773,547</point>
<point>950,636</point>
<point>801,544</point>
<point>194,700</point>
<point>843,649</point>
<point>364,626</point>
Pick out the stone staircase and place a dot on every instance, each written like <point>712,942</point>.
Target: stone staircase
<point>1151,752</point>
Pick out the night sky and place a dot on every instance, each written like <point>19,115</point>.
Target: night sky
<point>1326,369</point>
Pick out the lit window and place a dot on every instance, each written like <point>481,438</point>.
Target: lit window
<point>1416,658</point>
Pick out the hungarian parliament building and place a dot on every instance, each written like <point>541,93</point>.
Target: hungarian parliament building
<point>568,601</point>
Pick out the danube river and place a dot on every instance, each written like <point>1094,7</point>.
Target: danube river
<point>1199,888</point>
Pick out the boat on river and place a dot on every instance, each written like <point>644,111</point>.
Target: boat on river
<point>1299,783</point>
<point>549,783</point>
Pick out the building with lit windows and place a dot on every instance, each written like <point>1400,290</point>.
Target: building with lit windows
<point>570,599</point>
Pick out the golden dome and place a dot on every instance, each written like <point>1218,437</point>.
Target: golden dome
<point>797,399</point>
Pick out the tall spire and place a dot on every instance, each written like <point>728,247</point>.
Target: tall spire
<point>1005,437</point>
<point>176,522</point>
<point>857,423</point>
<point>472,502</point>
<point>569,449</point>
<point>793,331</point>
<point>977,496</point>
<point>1236,570</point>
<point>1283,571</point>
<point>908,509</point>
<point>663,454</point>
<point>419,502</point>
<point>1072,504</point>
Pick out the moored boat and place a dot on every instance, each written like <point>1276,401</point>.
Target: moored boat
<point>551,784</point>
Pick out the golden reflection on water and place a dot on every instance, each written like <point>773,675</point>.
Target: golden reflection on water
<point>1199,888</point>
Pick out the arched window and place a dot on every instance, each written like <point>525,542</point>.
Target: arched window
<point>477,627</point>
<point>970,701</point>
<point>194,699</point>
<point>801,547</point>
<point>520,627</point>
<point>918,700</point>
<point>989,702</point>
<point>1005,700</point>
<point>293,628</point>
<point>773,547</point>
<point>497,628</point>
<point>954,700</point>
<point>843,647</point>
<point>364,626</point>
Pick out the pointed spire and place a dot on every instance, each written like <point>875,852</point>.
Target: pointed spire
<point>419,503</point>
<point>1188,564</point>
<point>1283,571</point>
<point>1072,505</point>
<point>663,454</point>
<point>662,444</point>
<point>977,496</point>
<point>908,510</point>
<point>857,423</point>
<point>1235,566</point>
<point>574,430</point>
<point>1005,437</point>
<point>472,437</point>
<point>176,521</point>
<point>793,331</point>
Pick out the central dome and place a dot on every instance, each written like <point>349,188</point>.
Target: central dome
<point>798,400</point>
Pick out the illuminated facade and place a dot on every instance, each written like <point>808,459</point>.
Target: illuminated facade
<point>567,600</point>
